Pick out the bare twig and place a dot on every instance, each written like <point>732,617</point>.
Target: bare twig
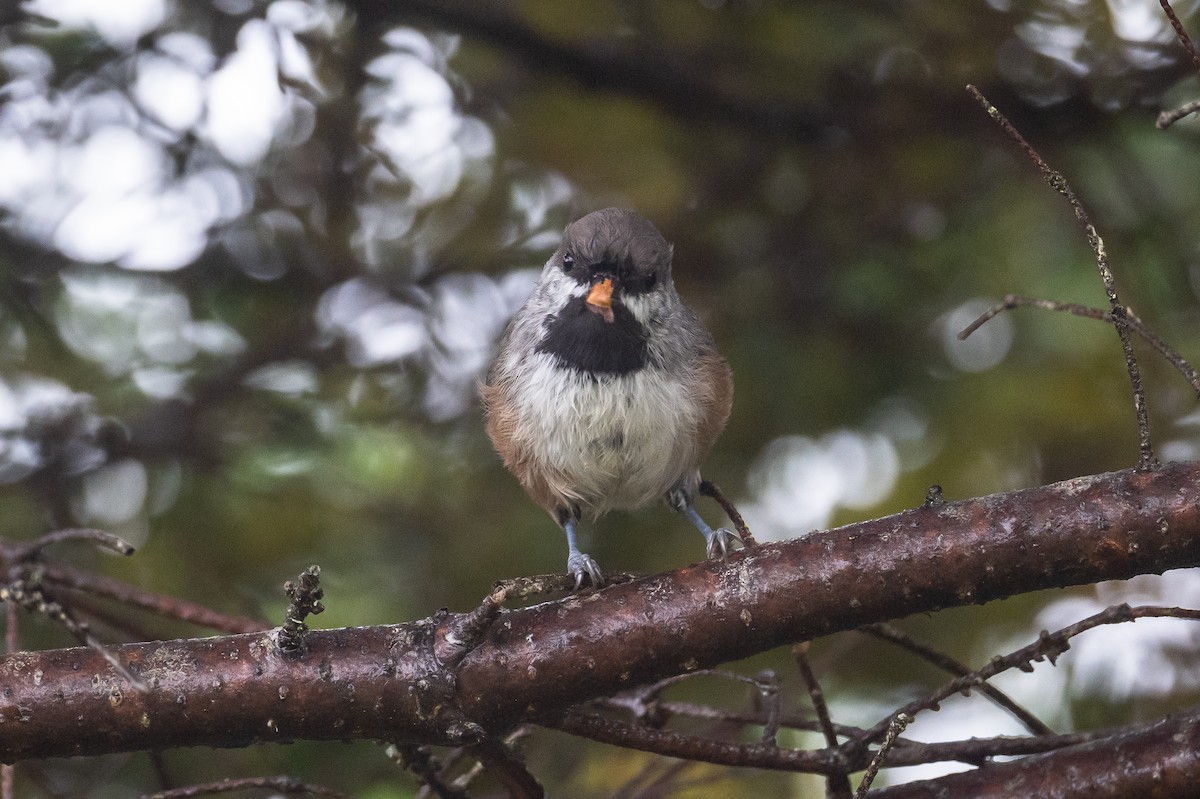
<point>897,725</point>
<point>1048,647</point>
<point>1184,39</point>
<point>664,710</point>
<point>1166,119</point>
<point>906,752</point>
<point>1012,301</point>
<point>1146,461</point>
<point>55,574</point>
<point>644,701</point>
<point>101,538</point>
<point>710,489</point>
<point>838,784</point>
<point>800,653</point>
<point>766,700</point>
<point>288,786</point>
<point>673,744</point>
<point>887,632</point>
<point>26,590</point>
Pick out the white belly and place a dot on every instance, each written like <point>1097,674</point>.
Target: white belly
<point>610,441</point>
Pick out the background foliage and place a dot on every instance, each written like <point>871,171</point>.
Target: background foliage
<point>254,256</point>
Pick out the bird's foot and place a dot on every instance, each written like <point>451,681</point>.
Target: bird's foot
<point>584,568</point>
<point>721,542</point>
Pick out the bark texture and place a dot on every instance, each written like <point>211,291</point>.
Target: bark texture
<point>441,680</point>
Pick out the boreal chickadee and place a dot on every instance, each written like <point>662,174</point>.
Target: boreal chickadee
<point>607,391</point>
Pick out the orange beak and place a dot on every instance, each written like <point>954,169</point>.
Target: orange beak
<point>599,299</point>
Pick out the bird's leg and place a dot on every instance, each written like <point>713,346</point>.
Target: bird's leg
<point>720,541</point>
<point>580,565</point>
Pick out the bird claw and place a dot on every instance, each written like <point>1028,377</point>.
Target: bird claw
<point>721,542</point>
<point>583,567</point>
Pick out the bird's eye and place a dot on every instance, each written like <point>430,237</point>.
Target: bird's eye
<point>568,261</point>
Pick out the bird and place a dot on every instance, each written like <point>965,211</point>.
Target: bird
<point>607,391</point>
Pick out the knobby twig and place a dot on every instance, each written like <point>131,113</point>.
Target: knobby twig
<point>306,594</point>
<point>1125,764</point>
<point>26,588</point>
<point>1012,301</point>
<point>895,727</point>
<point>887,632</point>
<point>1146,461</point>
<point>1048,647</point>
<point>906,753</point>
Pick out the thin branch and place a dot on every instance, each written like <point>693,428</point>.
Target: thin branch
<point>1166,119</point>
<point>55,574</point>
<point>1159,759</point>
<point>288,786</point>
<point>837,784</point>
<point>800,653</point>
<point>691,747</point>
<point>897,725</point>
<point>1012,301</point>
<point>768,701</point>
<point>710,489</point>
<point>27,592</point>
<point>26,551</point>
<point>644,702</point>
<point>906,753</point>
<point>1048,647</point>
<point>1146,461</point>
<point>665,710</point>
<point>887,632</point>
<point>1184,39</point>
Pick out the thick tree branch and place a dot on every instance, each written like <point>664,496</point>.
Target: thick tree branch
<point>412,683</point>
